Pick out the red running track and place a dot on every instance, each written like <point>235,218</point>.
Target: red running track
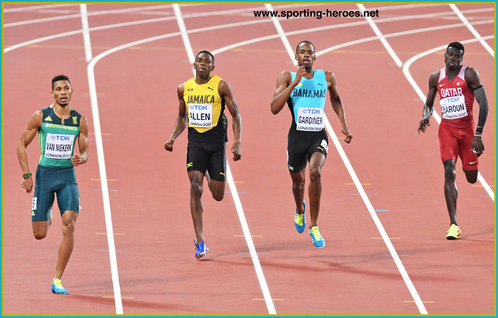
<point>354,274</point>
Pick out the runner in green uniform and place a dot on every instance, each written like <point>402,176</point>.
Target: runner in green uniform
<point>58,127</point>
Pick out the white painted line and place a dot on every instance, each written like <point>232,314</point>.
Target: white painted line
<point>86,32</point>
<point>194,15</point>
<point>281,33</point>
<point>373,214</point>
<point>421,95</point>
<point>40,7</point>
<point>75,16</point>
<point>103,178</point>
<point>472,29</point>
<point>233,189</point>
<point>183,31</point>
<point>381,37</point>
<point>378,223</point>
<point>402,33</point>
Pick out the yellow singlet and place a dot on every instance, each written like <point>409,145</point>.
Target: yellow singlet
<point>204,104</point>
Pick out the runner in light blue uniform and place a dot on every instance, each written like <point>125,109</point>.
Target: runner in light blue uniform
<point>307,102</point>
<point>305,92</point>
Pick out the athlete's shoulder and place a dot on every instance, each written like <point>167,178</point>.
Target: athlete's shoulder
<point>470,71</point>
<point>327,73</point>
<point>215,77</point>
<point>285,76</point>
<point>435,76</point>
<point>46,110</point>
<point>74,112</point>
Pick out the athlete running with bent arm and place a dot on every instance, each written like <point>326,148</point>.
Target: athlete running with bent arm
<point>457,86</point>
<point>59,127</point>
<point>305,92</point>
<point>203,99</point>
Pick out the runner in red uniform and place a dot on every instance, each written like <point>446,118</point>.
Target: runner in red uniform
<point>457,86</point>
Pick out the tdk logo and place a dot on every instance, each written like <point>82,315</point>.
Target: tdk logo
<point>312,111</point>
<point>199,107</point>
<point>60,138</point>
<point>453,99</point>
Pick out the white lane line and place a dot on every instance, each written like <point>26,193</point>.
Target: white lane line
<point>103,182</point>
<point>233,189</point>
<point>41,7</point>
<point>86,32</point>
<point>194,15</point>
<point>381,37</point>
<point>472,29</point>
<point>373,214</point>
<point>183,32</point>
<point>281,33</point>
<point>75,16</point>
<point>138,10</point>
<point>420,93</point>
<point>402,33</point>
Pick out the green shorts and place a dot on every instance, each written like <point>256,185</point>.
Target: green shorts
<point>52,181</point>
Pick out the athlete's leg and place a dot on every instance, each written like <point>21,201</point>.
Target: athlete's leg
<point>450,189</point>
<point>298,181</point>
<point>470,161</point>
<point>41,210</point>
<point>40,229</point>
<point>67,244</point>
<point>215,174</point>
<point>196,209</point>
<point>315,188</point>
<point>471,175</point>
<point>217,189</point>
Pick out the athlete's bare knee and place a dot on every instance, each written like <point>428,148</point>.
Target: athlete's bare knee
<point>68,229</point>
<point>297,185</point>
<point>40,230</point>
<point>315,175</point>
<point>39,235</point>
<point>471,176</point>
<point>196,188</point>
<point>218,196</point>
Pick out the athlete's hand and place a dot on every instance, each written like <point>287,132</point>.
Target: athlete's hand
<point>77,160</point>
<point>169,145</point>
<point>348,135</point>
<point>236,151</point>
<point>477,145</point>
<point>423,123</point>
<point>299,74</point>
<point>27,184</point>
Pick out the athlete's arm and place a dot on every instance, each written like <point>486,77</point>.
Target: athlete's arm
<point>474,83</point>
<point>429,103</point>
<point>226,93</point>
<point>27,136</point>
<point>335,100</point>
<point>82,157</point>
<point>181,120</point>
<point>284,89</point>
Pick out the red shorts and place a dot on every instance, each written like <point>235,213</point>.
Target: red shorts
<point>457,142</point>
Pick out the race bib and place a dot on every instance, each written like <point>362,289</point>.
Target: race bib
<point>310,119</point>
<point>453,107</point>
<point>59,146</point>
<point>200,115</point>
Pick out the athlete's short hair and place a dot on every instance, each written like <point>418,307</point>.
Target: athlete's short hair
<point>307,42</point>
<point>456,45</point>
<point>61,77</point>
<point>208,53</point>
